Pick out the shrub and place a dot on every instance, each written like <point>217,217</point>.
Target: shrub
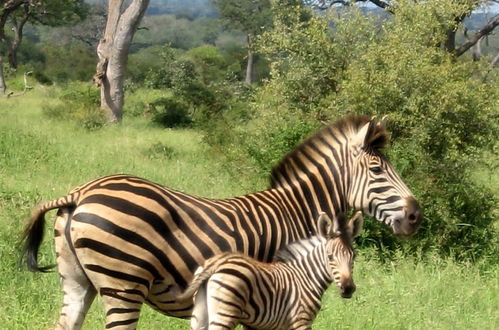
<point>137,101</point>
<point>169,112</point>
<point>443,114</point>
<point>80,102</point>
<point>42,78</point>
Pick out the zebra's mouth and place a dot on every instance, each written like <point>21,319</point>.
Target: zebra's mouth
<point>403,228</point>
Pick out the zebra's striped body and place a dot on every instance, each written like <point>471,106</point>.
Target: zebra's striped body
<point>233,288</point>
<point>134,241</point>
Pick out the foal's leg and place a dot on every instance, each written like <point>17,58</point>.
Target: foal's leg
<point>224,307</point>
<point>78,291</point>
<point>199,318</point>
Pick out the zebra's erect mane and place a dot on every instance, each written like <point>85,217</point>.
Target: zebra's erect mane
<point>376,139</point>
<point>298,249</point>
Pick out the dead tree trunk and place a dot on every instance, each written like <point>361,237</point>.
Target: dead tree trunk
<point>249,66</point>
<point>494,61</point>
<point>3,86</point>
<point>17,28</point>
<point>122,22</point>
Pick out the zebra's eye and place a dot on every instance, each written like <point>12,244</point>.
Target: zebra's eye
<point>376,169</point>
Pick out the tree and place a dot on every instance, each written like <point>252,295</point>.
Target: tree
<point>442,112</point>
<point>88,31</point>
<point>464,9</point>
<point>19,12</point>
<point>122,21</point>
<point>250,16</point>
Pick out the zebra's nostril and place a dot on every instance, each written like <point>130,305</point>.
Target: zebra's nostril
<point>347,290</point>
<point>413,211</point>
<point>415,217</point>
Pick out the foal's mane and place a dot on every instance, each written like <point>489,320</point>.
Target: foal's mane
<point>376,139</point>
<point>298,249</point>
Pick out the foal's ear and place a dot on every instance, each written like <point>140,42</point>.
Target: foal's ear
<point>355,224</point>
<point>324,225</point>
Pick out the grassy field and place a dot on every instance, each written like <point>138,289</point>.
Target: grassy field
<point>42,159</point>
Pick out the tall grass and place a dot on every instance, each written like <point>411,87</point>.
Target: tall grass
<point>41,159</point>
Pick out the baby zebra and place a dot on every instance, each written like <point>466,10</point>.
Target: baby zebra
<point>285,294</point>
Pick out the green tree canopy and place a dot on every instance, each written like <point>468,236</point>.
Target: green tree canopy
<point>442,111</point>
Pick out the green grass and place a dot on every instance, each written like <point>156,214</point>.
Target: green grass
<point>41,159</point>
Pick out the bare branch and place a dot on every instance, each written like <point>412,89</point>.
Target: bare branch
<point>487,29</point>
<point>494,61</point>
<point>326,4</point>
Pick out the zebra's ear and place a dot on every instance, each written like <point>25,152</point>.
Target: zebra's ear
<point>382,122</point>
<point>355,224</point>
<point>324,225</point>
<point>362,135</point>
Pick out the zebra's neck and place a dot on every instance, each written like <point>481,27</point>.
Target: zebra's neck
<point>317,173</point>
<point>313,269</point>
<point>299,249</point>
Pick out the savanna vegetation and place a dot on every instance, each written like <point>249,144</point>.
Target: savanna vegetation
<point>192,121</point>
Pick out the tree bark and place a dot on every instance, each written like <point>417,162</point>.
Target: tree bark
<point>249,66</point>
<point>16,40</point>
<point>450,40</point>
<point>3,86</point>
<point>494,62</point>
<point>485,30</point>
<point>5,10</point>
<point>122,22</point>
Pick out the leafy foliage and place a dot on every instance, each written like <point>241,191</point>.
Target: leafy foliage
<point>80,103</point>
<point>169,112</point>
<point>202,80</point>
<point>442,112</point>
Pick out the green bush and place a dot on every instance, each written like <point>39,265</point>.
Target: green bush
<point>42,78</point>
<point>65,64</point>
<point>201,80</point>
<point>80,102</point>
<point>442,112</point>
<point>137,101</point>
<point>169,112</point>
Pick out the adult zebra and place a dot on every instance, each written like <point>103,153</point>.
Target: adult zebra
<point>134,241</point>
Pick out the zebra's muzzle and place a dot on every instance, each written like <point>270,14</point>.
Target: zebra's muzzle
<point>413,217</point>
<point>347,289</point>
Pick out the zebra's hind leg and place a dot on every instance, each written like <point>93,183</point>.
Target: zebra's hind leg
<point>122,307</point>
<point>78,291</point>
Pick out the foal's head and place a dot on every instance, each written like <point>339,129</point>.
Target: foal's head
<point>339,234</point>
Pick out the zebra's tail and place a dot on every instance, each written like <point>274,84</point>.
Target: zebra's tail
<point>202,274</point>
<point>33,232</point>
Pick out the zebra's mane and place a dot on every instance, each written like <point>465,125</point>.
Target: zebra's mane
<point>376,139</point>
<point>298,249</point>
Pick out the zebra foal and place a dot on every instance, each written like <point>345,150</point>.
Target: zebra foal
<point>286,294</point>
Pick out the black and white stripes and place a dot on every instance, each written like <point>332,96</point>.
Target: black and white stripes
<point>134,241</point>
<point>232,288</point>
